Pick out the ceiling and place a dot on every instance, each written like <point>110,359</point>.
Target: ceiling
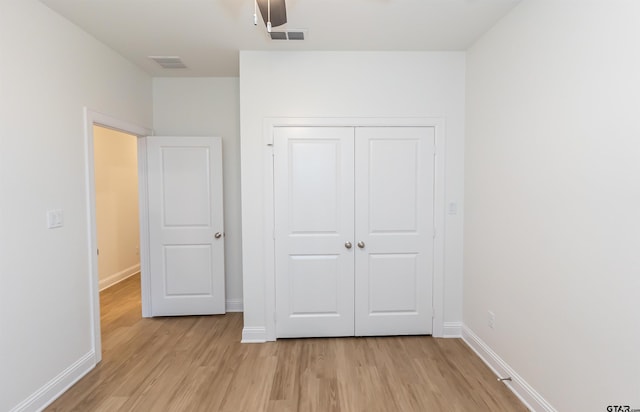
<point>207,34</point>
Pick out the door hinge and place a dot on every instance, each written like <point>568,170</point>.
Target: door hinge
<point>98,252</point>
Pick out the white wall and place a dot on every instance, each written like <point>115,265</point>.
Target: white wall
<point>346,84</point>
<point>50,69</point>
<point>209,107</point>
<point>116,183</point>
<point>552,229</point>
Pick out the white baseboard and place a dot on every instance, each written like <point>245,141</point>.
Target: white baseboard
<point>254,334</point>
<point>58,385</point>
<point>532,399</point>
<point>118,277</point>
<point>452,330</point>
<point>234,305</point>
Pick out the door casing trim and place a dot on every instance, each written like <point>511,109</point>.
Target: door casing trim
<point>93,118</point>
<point>438,123</point>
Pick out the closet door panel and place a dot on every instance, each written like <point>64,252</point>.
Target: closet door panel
<point>394,177</point>
<point>313,194</point>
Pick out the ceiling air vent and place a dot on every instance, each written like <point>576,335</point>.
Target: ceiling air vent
<point>287,35</point>
<point>278,35</point>
<point>169,62</point>
<point>296,35</point>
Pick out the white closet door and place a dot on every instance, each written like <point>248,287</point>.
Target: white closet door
<point>186,225</point>
<point>313,171</point>
<point>394,221</point>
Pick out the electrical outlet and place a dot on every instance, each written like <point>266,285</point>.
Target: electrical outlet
<point>492,319</point>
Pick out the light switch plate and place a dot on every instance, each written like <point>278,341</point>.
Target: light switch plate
<point>55,218</point>
<point>452,208</point>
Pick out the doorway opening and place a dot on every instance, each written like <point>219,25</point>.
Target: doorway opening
<point>117,227</point>
<point>116,212</point>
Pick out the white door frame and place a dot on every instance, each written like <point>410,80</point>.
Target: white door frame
<point>439,202</point>
<point>93,118</point>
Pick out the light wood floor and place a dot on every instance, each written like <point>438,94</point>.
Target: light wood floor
<point>198,364</point>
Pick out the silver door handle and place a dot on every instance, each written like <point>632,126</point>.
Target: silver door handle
<point>347,245</point>
<point>361,244</point>
<point>218,235</point>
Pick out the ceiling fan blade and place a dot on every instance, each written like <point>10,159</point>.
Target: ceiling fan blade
<point>278,12</point>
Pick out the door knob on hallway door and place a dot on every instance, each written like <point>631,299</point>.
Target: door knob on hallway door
<point>218,235</point>
<point>361,244</point>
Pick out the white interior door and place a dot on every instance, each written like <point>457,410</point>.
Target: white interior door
<point>313,192</point>
<point>394,178</point>
<point>185,225</point>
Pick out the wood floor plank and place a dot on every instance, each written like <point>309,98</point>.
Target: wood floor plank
<point>197,363</point>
